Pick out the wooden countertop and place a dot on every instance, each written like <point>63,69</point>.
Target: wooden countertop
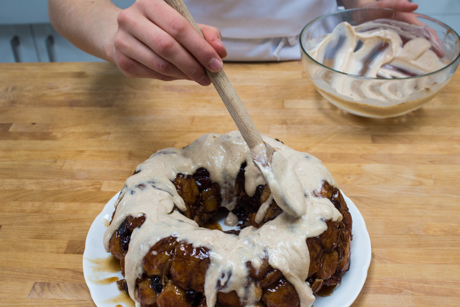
<point>71,133</point>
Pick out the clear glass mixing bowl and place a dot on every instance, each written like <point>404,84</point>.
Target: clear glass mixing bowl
<point>377,97</point>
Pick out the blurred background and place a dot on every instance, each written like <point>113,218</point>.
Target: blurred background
<point>26,34</point>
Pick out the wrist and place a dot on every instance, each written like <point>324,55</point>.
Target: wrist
<point>107,47</point>
<point>106,37</point>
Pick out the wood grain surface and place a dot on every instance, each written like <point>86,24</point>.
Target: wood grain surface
<point>71,133</point>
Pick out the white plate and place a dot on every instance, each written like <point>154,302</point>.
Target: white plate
<point>108,295</point>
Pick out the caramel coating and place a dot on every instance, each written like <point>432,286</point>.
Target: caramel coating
<point>119,242</point>
<point>146,295</point>
<point>247,207</point>
<point>280,294</point>
<point>158,256</point>
<point>174,271</point>
<point>189,266</point>
<point>172,296</point>
<point>229,299</point>
<point>330,252</point>
<point>202,197</point>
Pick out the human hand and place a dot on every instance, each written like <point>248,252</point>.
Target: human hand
<point>403,10</point>
<point>397,5</point>
<point>154,41</point>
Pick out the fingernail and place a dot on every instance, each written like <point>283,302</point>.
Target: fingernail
<point>205,81</point>
<point>218,42</point>
<point>410,5</point>
<point>215,65</point>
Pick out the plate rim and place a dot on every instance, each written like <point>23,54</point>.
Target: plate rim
<point>358,222</point>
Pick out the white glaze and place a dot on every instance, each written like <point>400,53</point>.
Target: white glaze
<point>415,56</point>
<point>383,54</point>
<point>231,219</point>
<point>263,210</point>
<point>282,239</point>
<point>283,182</point>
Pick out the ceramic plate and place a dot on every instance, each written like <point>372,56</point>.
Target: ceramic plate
<point>105,293</point>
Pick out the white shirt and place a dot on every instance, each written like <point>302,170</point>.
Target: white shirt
<point>260,30</point>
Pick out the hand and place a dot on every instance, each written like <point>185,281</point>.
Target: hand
<point>403,9</point>
<point>155,41</point>
<point>397,5</point>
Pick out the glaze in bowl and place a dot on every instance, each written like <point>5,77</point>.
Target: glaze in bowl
<point>376,96</point>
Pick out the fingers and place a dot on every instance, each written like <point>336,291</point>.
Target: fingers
<point>129,47</point>
<point>133,69</point>
<point>178,28</point>
<point>214,38</point>
<point>398,5</point>
<point>158,45</point>
<point>433,38</point>
<point>155,41</point>
<point>403,9</point>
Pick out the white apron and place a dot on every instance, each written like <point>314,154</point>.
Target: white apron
<point>260,30</point>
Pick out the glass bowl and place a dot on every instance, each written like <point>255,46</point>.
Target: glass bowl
<point>377,97</point>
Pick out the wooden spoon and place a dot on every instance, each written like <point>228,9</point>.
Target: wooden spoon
<point>280,176</point>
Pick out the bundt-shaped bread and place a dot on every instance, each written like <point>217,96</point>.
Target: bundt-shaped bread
<point>172,254</point>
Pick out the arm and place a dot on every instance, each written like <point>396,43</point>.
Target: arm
<point>399,5</point>
<point>89,25</point>
<point>149,39</point>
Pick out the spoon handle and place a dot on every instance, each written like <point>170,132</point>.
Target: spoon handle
<point>226,91</point>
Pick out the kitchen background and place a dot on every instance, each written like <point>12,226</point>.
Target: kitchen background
<point>27,36</point>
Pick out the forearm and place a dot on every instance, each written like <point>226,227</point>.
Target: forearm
<point>90,25</point>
